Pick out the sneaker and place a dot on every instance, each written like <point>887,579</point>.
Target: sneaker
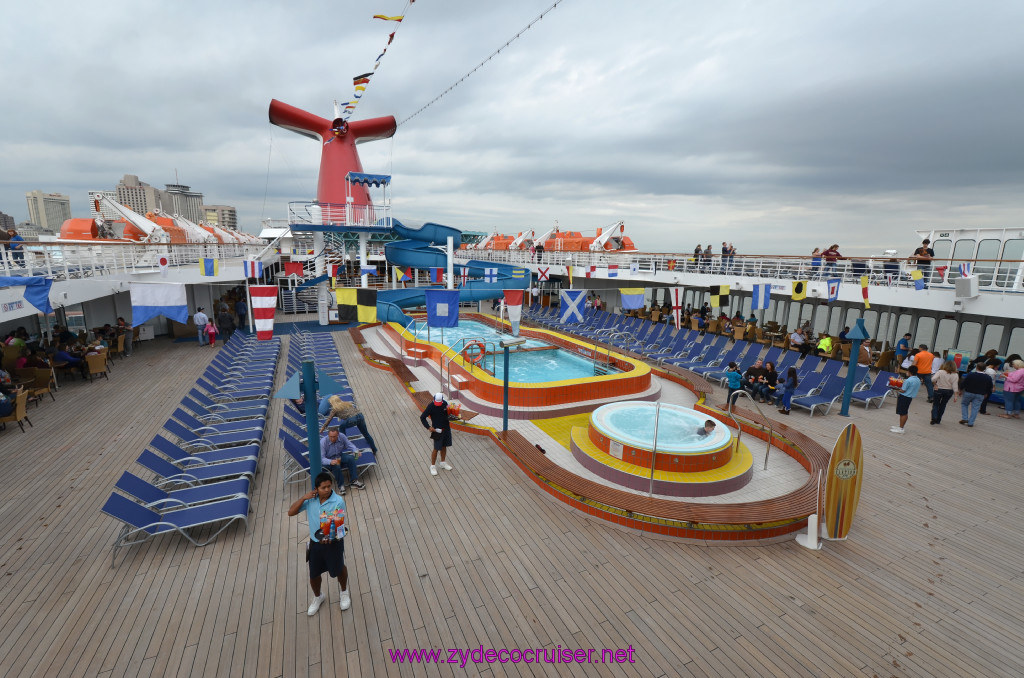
<point>433,470</point>
<point>358,484</point>
<point>346,600</point>
<point>896,429</point>
<point>964,422</point>
<point>315,605</point>
<point>445,465</point>
<point>341,490</point>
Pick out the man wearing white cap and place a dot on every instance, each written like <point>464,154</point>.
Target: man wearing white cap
<point>440,431</point>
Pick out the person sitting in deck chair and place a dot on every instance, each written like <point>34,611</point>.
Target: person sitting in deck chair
<point>337,453</point>
<point>348,415</point>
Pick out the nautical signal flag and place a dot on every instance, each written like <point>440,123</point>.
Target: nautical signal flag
<point>149,300</point>
<point>490,275</point>
<point>760,297</point>
<point>864,290</point>
<point>389,18</point>
<point>518,272</point>
<point>436,274</point>
<point>634,268</point>
<point>264,301</point>
<point>571,302</point>
<point>209,267</point>
<point>671,265</point>
<point>465,275</point>
<point>833,289</point>
<point>918,279</point>
<point>442,308</point>
<point>799,290</point>
<point>164,262</point>
<point>252,269</point>
<point>514,307</point>
<point>401,275</point>
<point>677,294</point>
<point>336,270</point>
<point>542,274</point>
<point>632,297</point>
<point>591,270</point>
<point>293,268</point>
<point>719,295</point>
<point>613,271</point>
<point>965,270</point>
<point>367,270</point>
<point>568,272</point>
<point>357,304</point>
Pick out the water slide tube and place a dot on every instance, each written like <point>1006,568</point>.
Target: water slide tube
<point>418,251</point>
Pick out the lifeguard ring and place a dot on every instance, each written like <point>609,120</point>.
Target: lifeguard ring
<point>474,358</point>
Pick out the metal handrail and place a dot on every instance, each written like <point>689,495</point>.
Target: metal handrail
<point>446,383</point>
<point>739,429</point>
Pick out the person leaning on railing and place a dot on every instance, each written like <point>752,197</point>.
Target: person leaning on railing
<point>347,414</point>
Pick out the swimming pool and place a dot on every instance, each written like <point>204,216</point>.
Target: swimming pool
<point>533,362</point>
<point>550,372</point>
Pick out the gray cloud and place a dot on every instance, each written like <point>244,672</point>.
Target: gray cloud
<point>770,124</point>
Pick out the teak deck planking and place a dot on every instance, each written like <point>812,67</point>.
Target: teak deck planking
<point>929,583</point>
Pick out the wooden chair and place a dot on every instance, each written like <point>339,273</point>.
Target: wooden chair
<point>712,326</point>
<point>759,336</point>
<point>693,324</point>
<point>19,414</point>
<point>135,337</point>
<point>44,384</point>
<point>119,346</point>
<point>97,365</point>
<point>11,353</point>
<point>884,361</point>
<point>739,332</point>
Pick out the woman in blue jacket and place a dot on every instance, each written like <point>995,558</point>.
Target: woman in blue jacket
<point>788,390</point>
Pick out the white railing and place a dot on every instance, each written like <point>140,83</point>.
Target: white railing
<point>994,275</point>
<point>62,261</point>
<point>337,214</point>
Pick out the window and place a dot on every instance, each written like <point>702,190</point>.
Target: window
<point>946,336</point>
<point>1013,252</point>
<point>923,334</point>
<point>1016,344</point>
<point>985,270</point>
<point>970,333</point>
<point>993,335</point>
<point>942,249</point>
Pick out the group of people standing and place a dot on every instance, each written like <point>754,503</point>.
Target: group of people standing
<point>208,328</point>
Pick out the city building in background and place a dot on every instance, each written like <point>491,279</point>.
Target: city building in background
<point>48,210</point>
<point>6,221</point>
<point>106,212</point>
<point>223,216</point>
<point>183,201</point>
<point>28,230</point>
<point>136,195</point>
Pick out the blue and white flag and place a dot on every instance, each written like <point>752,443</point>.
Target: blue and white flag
<point>37,292</point>
<point>367,270</point>
<point>833,289</point>
<point>572,305</point>
<point>760,297</point>
<point>442,308</point>
<point>150,300</point>
<point>490,275</point>
<point>250,269</point>
<point>965,270</point>
<point>634,268</point>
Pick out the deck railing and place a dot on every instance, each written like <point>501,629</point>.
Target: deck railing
<point>994,275</point>
<point>337,214</point>
<point>62,261</point>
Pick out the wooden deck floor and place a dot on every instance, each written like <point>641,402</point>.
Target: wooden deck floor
<point>931,582</point>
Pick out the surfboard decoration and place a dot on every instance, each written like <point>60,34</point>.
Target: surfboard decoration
<point>842,484</point>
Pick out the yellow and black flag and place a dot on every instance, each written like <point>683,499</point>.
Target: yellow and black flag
<point>799,290</point>
<point>719,295</point>
<point>356,304</point>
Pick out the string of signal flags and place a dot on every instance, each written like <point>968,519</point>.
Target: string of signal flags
<point>360,82</point>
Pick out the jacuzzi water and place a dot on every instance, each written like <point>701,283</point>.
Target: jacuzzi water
<point>525,367</point>
<point>632,423</point>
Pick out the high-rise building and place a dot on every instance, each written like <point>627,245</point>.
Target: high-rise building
<point>48,210</point>
<point>138,196</point>
<point>106,212</point>
<point>6,221</point>
<point>27,229</point>
<point>220,215</point>
<point>183,202</point>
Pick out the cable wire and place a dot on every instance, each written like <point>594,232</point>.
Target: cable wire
<point>482,63</point>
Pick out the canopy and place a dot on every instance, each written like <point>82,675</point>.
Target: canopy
<point>368,179</point>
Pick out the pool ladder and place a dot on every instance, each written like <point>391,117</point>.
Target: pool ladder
<point>489,349</point>
<point>739,429</point>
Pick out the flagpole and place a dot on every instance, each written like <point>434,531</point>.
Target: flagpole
<point>248,302</point>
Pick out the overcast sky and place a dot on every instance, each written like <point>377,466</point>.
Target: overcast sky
<point>778,126</point>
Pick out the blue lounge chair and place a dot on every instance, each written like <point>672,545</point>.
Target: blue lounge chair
<point>171,474</point>
<point>159,499</point>
<point>731,355</point>
<point>297,466</point>
<point>141,523</point>
<point>226,407</point>
<point>191,456</point>
<point>879,390</point>
<point>231,394</point>
<point>257,411</point>
<point>200,428</point>
<point>196,441</point>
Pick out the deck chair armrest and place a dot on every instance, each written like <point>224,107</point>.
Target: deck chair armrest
<point>211,418</point>
<point>162,504</point>
<point>198,445</point>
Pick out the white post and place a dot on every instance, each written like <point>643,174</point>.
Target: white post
<point>451,254</point>
<point>364,280</point>
<point>810,540</point>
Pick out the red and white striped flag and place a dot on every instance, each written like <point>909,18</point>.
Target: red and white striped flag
<point>264,301</point>
<point>514,306</point>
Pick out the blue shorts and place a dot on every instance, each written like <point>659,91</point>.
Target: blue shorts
<point>903,404</point>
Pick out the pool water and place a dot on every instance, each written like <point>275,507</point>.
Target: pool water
<point>633,424</point>
<point>526,367</point>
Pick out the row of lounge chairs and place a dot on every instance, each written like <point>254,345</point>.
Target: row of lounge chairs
<point>205,458</point>
<point>709,355</point>
<point>321,349</point>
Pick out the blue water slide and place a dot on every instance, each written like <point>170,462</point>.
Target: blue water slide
<point>419,250</point>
